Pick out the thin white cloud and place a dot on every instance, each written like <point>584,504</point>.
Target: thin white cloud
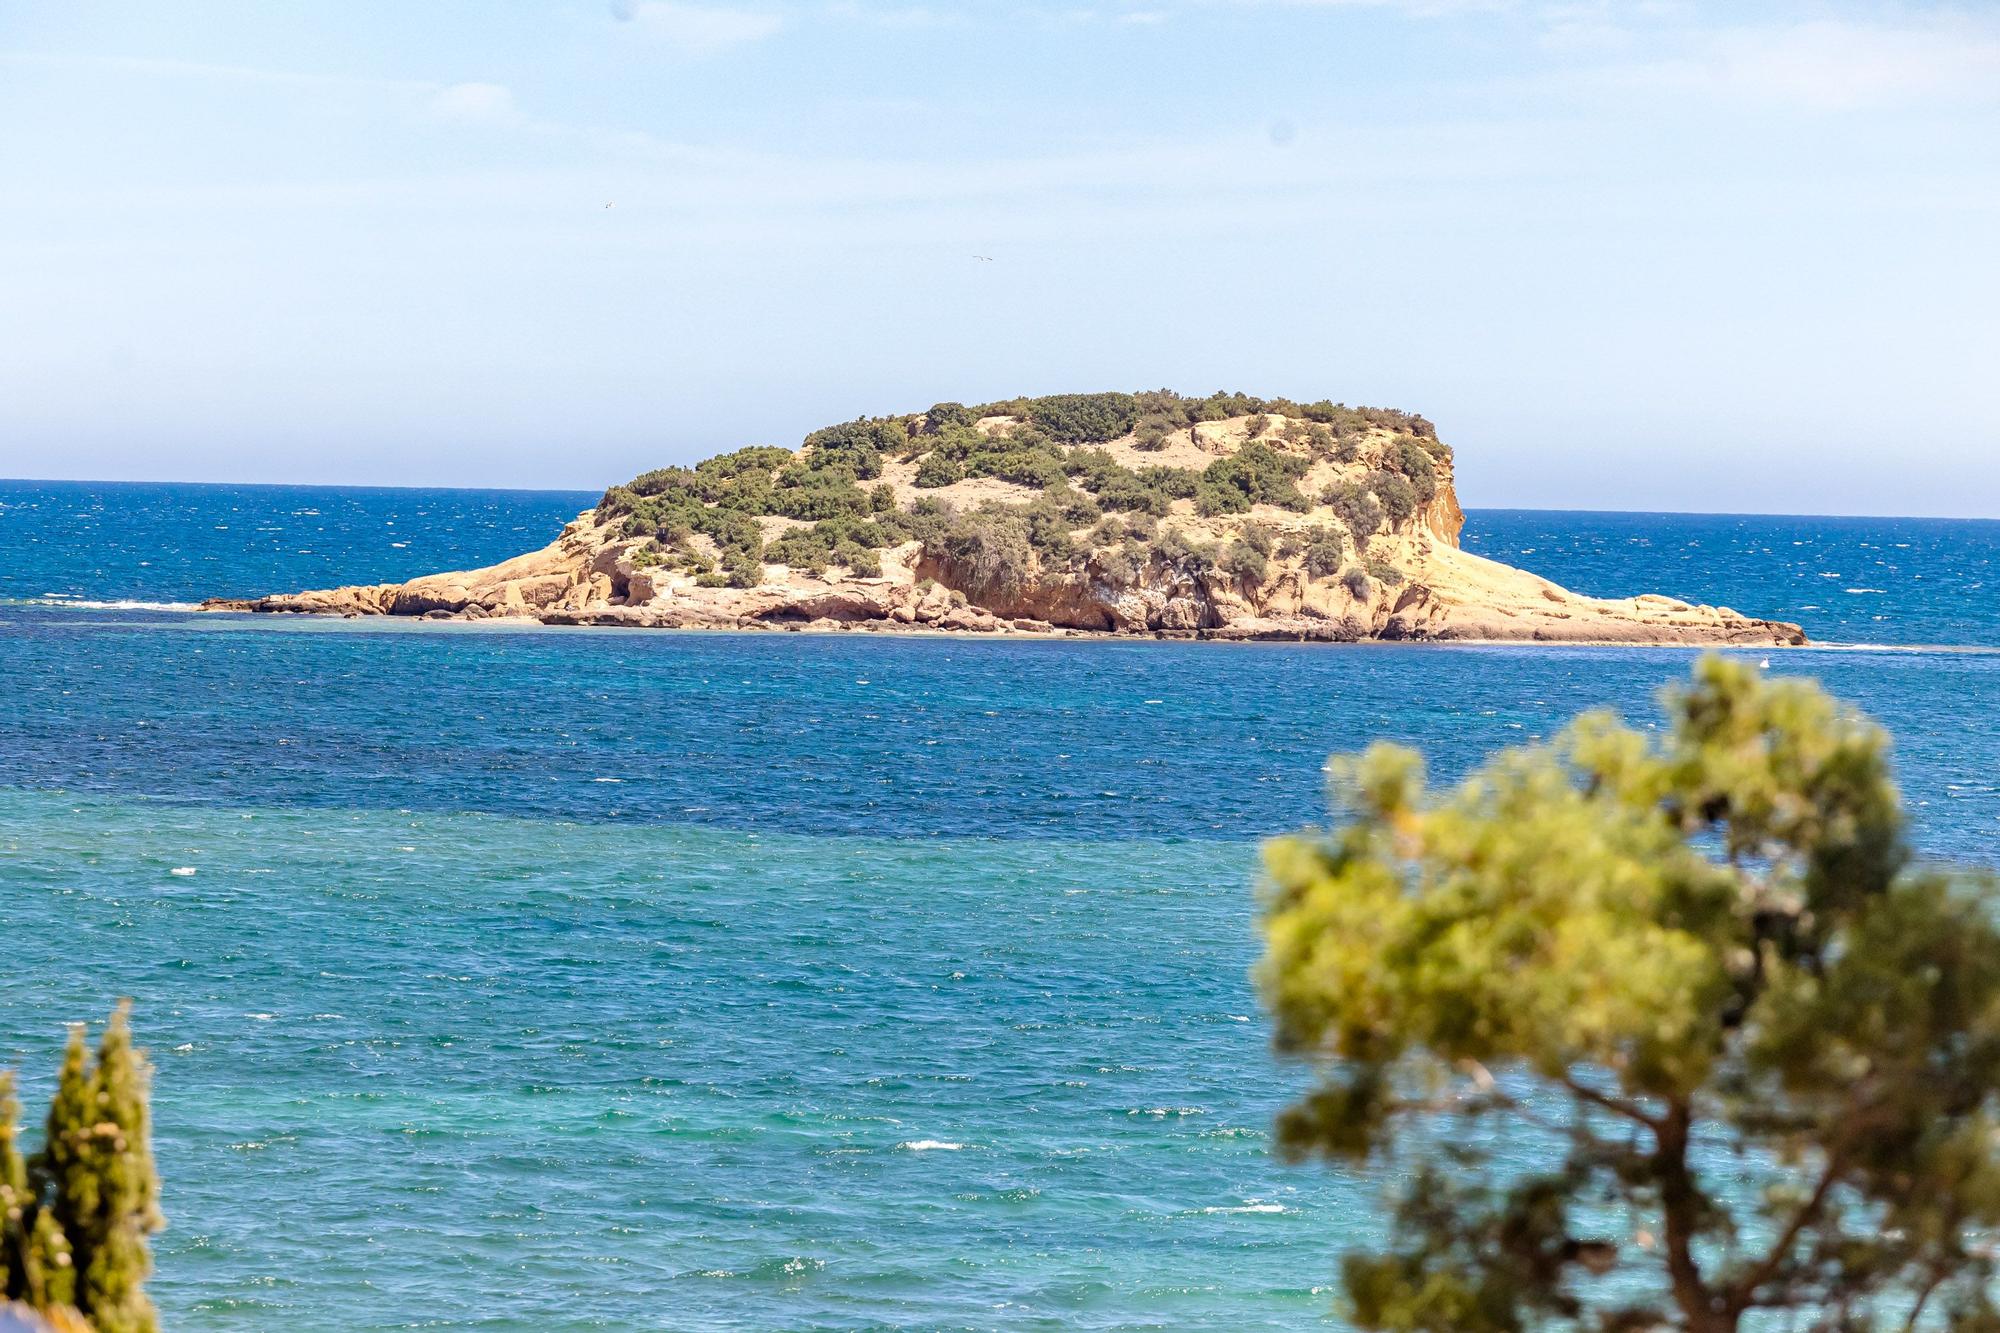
<point>1836,66</point>
<point>471,103</point>
<point>699,30</point>
<point>895,15</point>
<point>1412,8</point>
<point>476,104</point>
<point>1826,65</point>
<point>194,69</point>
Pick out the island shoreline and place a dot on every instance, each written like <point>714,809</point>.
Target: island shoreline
<point>1117,516</point>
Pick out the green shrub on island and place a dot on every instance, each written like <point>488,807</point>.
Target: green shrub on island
<point>1648,1029</point>
<point>1221,405</point>
<point>1151,490</point>
<point>671,518</point>
<point>1176,483</point>
<point>1119,566</point>
<point>1128,493</point>
<point>857,445</point>
<point>1176,548</point>
<point>816,493</point>
<point>861,561</point>
<point>1359,510</point>
<point>1355,580</point>
<point>1166,405</point>
<point>955,442</point>
<point>1325,551</point>
<point>942,415</point>
<point>1084,418</point>
<point>1048,532</point>
<point>1311,436</point>
<point>938,470</point>
<point>814,548</point>
<point>738,570</point>
<point>1409,458</point>
<point>1037,469</point>
<point>1345,420</point>
<point>1150,434</point>
<point>989,546</point>
<point>1244,563</point>
<point>1256,474</point>
<point>1002,407</point>
<point>1385,573</point>
<point>1090,418</point>
<point>753,460</point>
<point>1393,490</point>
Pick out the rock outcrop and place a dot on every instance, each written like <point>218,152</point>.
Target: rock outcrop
<point>1408,580</point>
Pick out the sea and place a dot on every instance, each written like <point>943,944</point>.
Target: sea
<point>545,979</point>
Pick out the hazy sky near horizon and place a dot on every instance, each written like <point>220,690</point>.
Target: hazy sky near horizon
<point>1626,254</point>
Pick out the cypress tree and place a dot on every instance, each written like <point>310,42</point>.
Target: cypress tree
<point>98,1159</point>
<point>62,1180</point>
<point>51,1269</point>
<point>14,1198</point>
<point>114,1281</point>
<point>34,1257</point>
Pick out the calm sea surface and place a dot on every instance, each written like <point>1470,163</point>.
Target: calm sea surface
<point>538,979</point>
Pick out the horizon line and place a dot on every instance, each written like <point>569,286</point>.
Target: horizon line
<point>583,490</point>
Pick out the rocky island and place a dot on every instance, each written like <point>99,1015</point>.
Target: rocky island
<point>1226,517</point>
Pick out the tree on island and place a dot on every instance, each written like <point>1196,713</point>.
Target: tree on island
<point>77,1215</point>
<point>1656,1034</point>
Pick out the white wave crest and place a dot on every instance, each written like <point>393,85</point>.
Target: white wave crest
<point>86,604</point>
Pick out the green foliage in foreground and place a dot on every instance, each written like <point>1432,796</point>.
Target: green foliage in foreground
<point>76,1215</point>
<point>1753,1053</point>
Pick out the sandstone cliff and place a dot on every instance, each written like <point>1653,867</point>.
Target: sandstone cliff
<point>1256,525</point>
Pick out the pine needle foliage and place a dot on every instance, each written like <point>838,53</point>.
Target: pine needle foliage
<point>1658,1033</point>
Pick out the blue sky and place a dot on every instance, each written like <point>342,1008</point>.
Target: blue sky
<point>1627,255</point>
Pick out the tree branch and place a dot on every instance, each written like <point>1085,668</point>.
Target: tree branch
<point>1612,1104</point>
<point>1680,1210</point>
<point>1923,1299</point>
<point>1742,1292</point>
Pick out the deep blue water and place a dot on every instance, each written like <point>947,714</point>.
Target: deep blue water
<point>1847,580</point>
<point>540,979</point>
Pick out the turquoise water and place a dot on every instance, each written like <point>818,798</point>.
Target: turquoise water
<point>567,979</point>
